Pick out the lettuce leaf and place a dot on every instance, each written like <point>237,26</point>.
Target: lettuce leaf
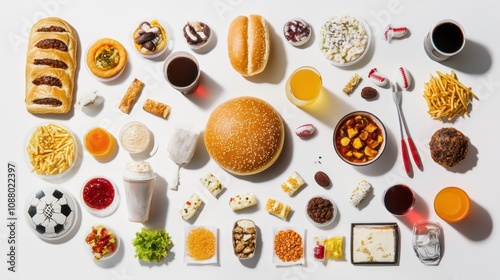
<point>151,245</point>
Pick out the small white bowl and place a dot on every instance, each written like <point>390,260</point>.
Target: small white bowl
<point>201,46</point>
<point>376,121</point>
<point>368,33</point>
<point>335,211</point>
<point>107,256</point>
<point>145,143</point>
<point>165,27</point>
<point>110,209</point>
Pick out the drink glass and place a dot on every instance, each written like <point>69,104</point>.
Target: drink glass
<point>399,199</point>
<point>427,242</point>
<point>444,40</point>
<point>452,204</point>
<point>182,72</point>
<point>304,86</point>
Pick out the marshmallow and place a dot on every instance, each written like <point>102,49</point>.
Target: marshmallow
<point>377,78</point>
<point>403,78</point>
<point>394,32</point>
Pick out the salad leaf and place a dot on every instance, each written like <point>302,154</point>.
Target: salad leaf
<point>151,245</point>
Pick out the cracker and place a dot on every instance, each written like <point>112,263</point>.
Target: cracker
<point>352,84</point>
<point>131,96</point>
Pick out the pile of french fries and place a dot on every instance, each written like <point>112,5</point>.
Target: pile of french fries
<point>446,97</point>
<point>51,149</point>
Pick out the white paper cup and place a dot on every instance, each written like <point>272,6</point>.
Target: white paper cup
<point>445,39</point>
<point>139,194</point>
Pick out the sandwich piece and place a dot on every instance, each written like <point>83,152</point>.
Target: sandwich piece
<point>191,206</point>
<point>242,201</point>
<point>277,208</point>
<point>212,184</point>
<point>50,67</point>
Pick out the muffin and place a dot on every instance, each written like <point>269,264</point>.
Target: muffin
<point>448,146</point>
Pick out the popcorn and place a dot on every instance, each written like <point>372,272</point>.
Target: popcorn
<point>344,39</point>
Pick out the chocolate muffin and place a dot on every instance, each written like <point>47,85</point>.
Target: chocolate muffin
<point>448,146</point>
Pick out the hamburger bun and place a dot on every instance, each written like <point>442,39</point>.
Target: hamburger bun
<point>244,135</point>
<point>448,146</point>
<point>248,44</point>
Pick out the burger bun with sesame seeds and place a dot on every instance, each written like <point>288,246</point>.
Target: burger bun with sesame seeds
<point>244,135</point>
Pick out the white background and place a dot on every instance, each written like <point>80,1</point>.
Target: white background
<point>470,246</point>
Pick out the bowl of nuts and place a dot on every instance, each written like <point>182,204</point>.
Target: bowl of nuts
<point>359,138</point>
<point>321,210</point>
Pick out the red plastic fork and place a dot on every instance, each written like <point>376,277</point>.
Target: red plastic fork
<point>396,96</point>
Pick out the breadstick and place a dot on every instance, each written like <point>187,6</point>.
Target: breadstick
<point>131,96</point>
<point>156,108</point>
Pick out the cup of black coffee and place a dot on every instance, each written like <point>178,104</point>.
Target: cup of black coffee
<point>444,40</point>
<point>182,72</point>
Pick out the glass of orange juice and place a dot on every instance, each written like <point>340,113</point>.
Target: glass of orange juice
<point>304,86</point>
<point>452,204</point>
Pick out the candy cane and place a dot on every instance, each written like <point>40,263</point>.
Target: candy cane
<point>394,32</point>
<point>305,130</point>
<point>377,78</point>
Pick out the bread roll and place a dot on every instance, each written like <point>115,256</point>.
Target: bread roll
<point>244,135</point>
<point>50,67</point>
<point>248,44</point>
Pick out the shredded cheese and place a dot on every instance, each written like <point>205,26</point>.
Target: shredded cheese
<point>200,244</point>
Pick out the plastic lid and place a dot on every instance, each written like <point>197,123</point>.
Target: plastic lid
<point>452,204</point>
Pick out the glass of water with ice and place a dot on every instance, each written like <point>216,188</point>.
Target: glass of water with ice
<point>427,239</point>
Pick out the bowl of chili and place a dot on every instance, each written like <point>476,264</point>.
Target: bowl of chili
<point>359,138</point>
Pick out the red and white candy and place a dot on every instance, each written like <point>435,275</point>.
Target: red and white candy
<point>377,78</point>
<point>403,78</point>
<point>394,32</point>
<point>305,130</point>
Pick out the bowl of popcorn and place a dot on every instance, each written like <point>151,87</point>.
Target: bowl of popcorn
<point>345,39</point>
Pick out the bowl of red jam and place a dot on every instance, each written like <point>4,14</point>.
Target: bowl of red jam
<point>100,196</point>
